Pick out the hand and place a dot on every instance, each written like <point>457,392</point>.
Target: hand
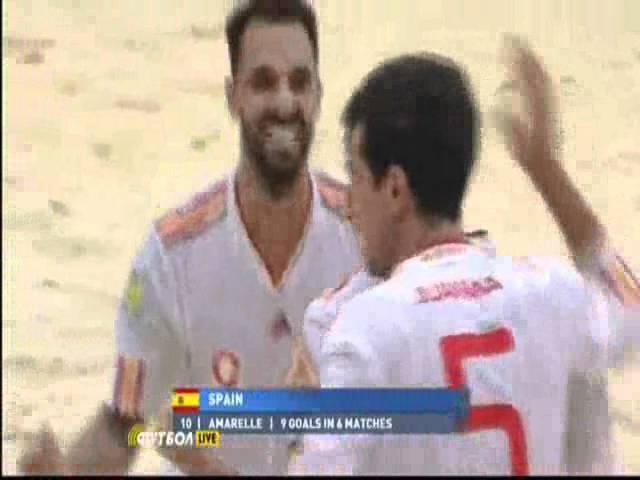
<point>533,139</point>
<point>531,136</point>
<point>43,456</point>
<point>191,461</point>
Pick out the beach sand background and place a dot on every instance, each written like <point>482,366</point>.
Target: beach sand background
<point>115,111</point>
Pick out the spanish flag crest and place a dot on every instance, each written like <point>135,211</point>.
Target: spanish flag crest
<point>185,400</point>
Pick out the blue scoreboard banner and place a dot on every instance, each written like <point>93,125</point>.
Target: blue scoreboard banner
<point>331,411</point>
<point>332,400</point>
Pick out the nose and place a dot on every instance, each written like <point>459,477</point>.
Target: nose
<point>285,101</point>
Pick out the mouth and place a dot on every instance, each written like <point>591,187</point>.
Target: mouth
<point>283,134</point>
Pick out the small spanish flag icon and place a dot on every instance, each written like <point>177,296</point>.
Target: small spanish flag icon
<point>185,400</point>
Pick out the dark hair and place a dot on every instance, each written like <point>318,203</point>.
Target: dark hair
<point>419,113</point>
<point>271,11</point>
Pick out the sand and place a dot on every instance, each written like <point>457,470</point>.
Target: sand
<point>115,112</point>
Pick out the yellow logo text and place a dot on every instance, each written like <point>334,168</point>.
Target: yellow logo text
<point>138,437</point>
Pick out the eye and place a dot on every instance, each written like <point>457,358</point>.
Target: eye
<point>263,79</point>
<point>300,80</point>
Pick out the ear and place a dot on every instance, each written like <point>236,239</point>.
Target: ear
<point>230,93</point>
<point>399,191</point>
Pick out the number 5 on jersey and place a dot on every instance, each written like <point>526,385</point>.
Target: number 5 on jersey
<point>457,348</point>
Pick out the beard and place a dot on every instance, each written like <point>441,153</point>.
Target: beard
<point>277,150</point>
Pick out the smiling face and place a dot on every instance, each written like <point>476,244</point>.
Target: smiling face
<point>276,98</point>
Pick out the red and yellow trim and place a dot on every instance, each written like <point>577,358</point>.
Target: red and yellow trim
<point>622,282</point>
<point>128,390</point>
<point>184,223</point>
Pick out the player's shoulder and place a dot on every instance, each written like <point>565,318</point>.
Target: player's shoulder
<point>450,272</point>
<point>334,194</point>
<point>194,217</point>
<point>553,280</point>
<point>370,322</point>
<point>379,300</point>
<point>349,286</point>
<point>324,309</point>
<point>551,268</point>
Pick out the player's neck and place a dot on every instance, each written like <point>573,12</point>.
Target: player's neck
<point>275,227</point>
<point>419,237</point>
<point>255,197</point>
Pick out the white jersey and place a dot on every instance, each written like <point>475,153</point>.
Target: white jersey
<point>588,405</point>
<point>200,309</point>
<point>322,312</point>
<point>522,326</point>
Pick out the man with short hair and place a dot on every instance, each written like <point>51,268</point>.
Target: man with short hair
<point>217,292</point>
<point>449,314</point>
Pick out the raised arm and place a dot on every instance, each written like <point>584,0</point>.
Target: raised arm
<point>532,140</point>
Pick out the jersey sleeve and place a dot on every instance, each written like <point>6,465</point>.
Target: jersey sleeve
<point>613,304</point>
<point>149,348</point>
<point>357,352</point>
